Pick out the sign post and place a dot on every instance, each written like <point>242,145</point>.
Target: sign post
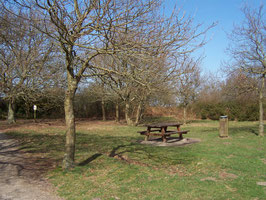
<point>34,109</point>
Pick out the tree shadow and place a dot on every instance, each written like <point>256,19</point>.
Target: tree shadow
<point>245,130</point>
<point>18,167</point>
<point>150,156</point>
<point>115,149</point>
<point>45,150</point>
<point>90,159</point>
<point>120,155</point>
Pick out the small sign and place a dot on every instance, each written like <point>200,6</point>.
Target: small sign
<point>34,107</point>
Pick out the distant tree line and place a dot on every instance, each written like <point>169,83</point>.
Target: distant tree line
<point>213,99</point>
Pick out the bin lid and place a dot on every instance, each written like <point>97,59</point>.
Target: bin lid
<point>223,117</point>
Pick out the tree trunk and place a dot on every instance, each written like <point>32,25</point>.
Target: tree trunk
<point>138,113</point>
<point>11,112</point>
<point>69,157</point>
<point>27,109</point>
<point>103,110</point>
<point>127,114</point>
<point>185,115</point>
<point>117,114</point>
<point>261,126</point>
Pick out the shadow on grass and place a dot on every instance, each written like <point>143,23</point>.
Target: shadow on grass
<point>90,159</point>
<point>246,130</point>
<point>17,159</point>
<point>123,148</point>
<point>113,152</point>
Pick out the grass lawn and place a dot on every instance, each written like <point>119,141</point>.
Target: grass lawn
<point>111,164</point>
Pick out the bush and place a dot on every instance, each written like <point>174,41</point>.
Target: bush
<point>210,111</point>
<point>233,109</point>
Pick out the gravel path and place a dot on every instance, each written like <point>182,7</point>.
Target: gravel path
<point>19,180</point>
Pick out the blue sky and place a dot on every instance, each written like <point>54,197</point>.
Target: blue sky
<point>226,13</point>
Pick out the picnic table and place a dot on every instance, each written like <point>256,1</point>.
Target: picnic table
<point>161,129</point>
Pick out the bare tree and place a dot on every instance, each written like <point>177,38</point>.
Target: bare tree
<point>45,89</point>
<point>23,55</point>
<point>83,30</point>
<point>188,83</point>
<point>148,57</point>
<point>249,53</point>
<point>240,86</point>
<point>134,94</point>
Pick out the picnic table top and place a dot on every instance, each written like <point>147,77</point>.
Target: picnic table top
<point>163,124</point>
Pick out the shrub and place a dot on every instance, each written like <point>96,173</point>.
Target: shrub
<point>235,110</point>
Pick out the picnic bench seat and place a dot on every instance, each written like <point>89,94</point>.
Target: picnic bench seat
<point>167,133</point>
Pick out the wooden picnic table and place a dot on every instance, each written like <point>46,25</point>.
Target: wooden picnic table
<point>161,129</point>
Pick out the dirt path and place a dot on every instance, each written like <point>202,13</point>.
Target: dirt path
<point>19,179</point>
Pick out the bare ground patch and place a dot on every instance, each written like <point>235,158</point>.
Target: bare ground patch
<point>58,124</point>
<point>21,174</point>
<point>171,141</point>
<point>226,175</point>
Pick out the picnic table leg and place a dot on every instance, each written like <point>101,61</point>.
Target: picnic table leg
<point>146,138</point>
<point>180,134</point>
<point>163,130</point>
<point>147,135</point>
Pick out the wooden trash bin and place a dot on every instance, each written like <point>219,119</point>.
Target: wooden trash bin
<point>223,130</point>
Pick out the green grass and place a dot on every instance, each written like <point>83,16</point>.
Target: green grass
<point>111,164</point>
